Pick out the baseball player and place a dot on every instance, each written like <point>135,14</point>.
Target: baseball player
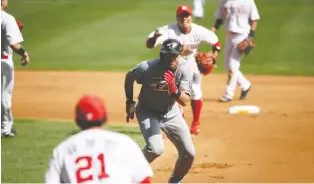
<point>240,18</point>
<point>11,38</point>
<point>95,155</point>
<point>166,83</point>
<point>190,35</point>
<point>198,9</point>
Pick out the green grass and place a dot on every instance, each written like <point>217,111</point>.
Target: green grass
<point>110,35</point>
<point>25,157</point>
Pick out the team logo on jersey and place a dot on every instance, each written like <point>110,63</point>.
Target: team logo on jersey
<point>159,86</point>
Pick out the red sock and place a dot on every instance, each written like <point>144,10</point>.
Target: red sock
<point>196,109</point>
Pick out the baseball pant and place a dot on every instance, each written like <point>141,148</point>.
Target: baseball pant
<point>7,83</point>
<point>177,131</point>
<point>198,8</point>
<point>232,61</point>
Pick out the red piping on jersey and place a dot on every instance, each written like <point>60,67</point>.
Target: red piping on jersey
<point>217,44</point>
<point>146,180</point>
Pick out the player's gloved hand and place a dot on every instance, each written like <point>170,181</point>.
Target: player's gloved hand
<point>130,109</point>
<point>25,59</point>
<point>205,62</point>
<point>150,42</point>
<point>157,33</point>
<point>170,79</point>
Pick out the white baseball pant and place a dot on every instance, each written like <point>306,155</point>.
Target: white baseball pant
<point>7,84</point>
<point>232,61</point>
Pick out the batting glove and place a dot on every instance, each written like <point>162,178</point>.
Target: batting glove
<point>130,109</point>
<point>170,79</point>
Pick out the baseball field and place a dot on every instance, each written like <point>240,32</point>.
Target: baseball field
<point>86,46</point>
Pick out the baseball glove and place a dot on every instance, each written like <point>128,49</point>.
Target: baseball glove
<point>205,62</point>
<point>246,46</point>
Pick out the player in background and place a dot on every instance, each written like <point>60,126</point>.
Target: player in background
<point>166,83</point>
<point>95,155</point>
<point>191,36</point>
<point>198,9</point>
<point>11,39</point>
<point>240,18</point>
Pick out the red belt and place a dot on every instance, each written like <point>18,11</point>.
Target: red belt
<point>4,57</point>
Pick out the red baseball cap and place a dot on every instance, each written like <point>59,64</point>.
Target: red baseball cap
<point>184,8</point>
<point>90,108</point>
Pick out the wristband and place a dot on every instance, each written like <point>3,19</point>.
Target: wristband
<point>21,51</point>
<point>251,34</point>
<point>218,23</point>
<point>177,94</point>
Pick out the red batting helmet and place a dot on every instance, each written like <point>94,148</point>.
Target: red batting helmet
<point>90,111</point>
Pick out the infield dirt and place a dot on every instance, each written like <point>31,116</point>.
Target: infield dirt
<point>276,145</point>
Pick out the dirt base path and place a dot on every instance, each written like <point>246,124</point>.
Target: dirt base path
<point>275,146</point>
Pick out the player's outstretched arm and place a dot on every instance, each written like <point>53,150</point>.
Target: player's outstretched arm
<point>151,40</point>
<point>220,14</point>
<point>217,25</point>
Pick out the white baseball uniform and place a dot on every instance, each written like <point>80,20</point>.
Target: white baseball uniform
<point>191,42</point>
<point>10,34</point>
<point>98,156</point>
<point>236,15</point>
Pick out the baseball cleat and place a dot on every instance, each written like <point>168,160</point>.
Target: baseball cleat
<point>244,93</point>
<point>195,128</point>
<point>173,180</point>
<point>224,99</point>
<point>10,134</point>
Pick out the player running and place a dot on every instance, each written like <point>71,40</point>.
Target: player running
<point>166,83</point>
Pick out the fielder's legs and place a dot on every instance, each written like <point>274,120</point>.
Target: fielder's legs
<point>178,133</point>
<point>7,81</point>
<point>198,8</point>
<point>232,64</point>
<point>196,102</point>
<point>150,128</point>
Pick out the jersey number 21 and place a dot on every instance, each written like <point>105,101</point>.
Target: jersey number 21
<point>88,160</point>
